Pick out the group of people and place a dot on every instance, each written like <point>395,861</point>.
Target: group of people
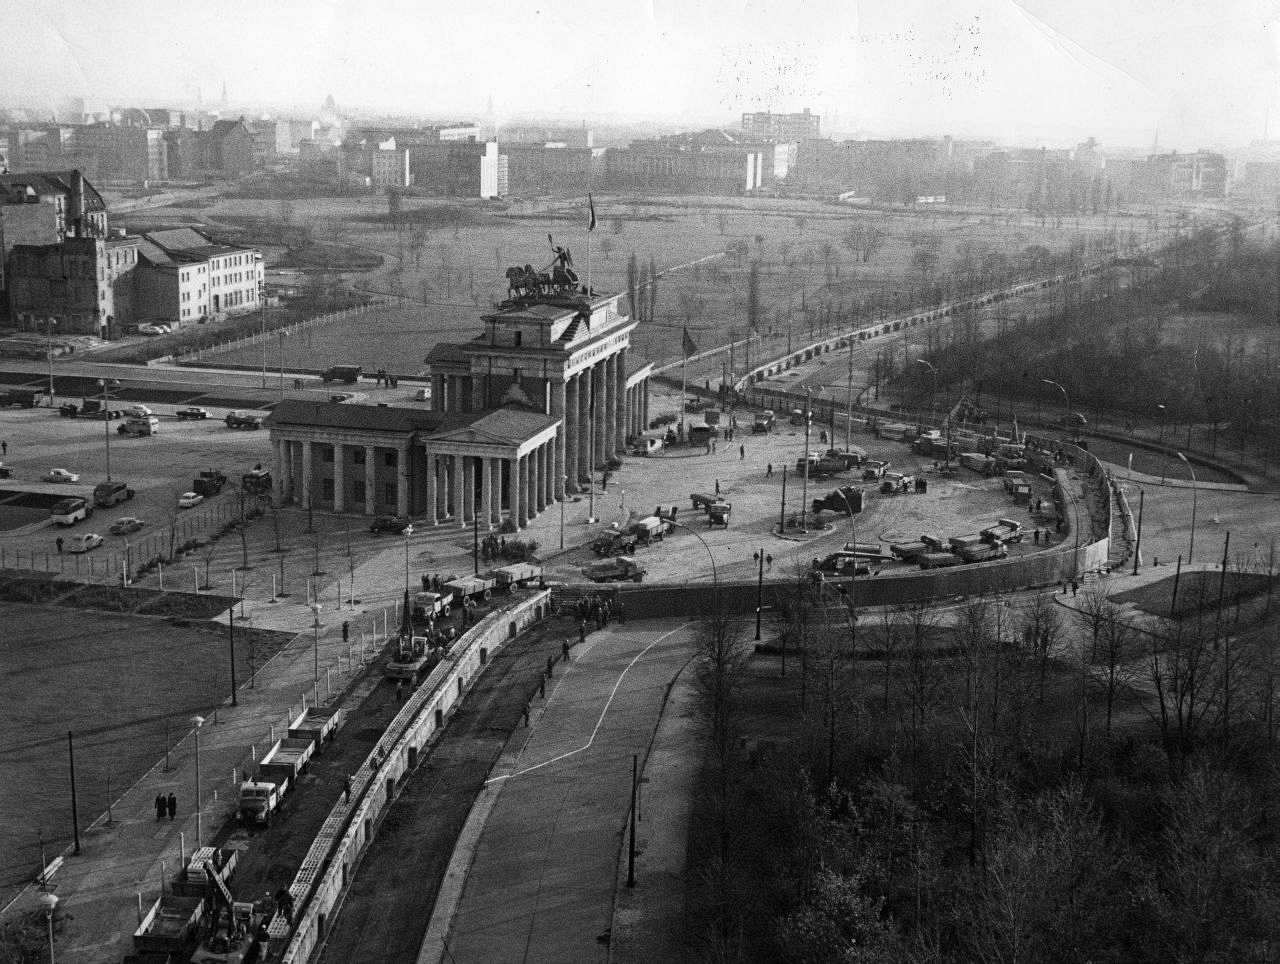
<point>595,610</point>
<point>382,378</point>
<point>166,806</point>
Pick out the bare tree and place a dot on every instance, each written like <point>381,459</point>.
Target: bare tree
<point>1041,631</point>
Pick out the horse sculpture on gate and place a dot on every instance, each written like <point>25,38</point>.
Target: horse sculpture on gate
<point>558,280</point>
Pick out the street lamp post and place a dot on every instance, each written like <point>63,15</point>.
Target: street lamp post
<point>715,573</point>
<point>49,902</point>
<point>1066,399</point>
<point>315,644</point>
<point>408,531</point>
<point>199,722</point>
<point>50,322</point>
<point>1191,549</point>
<point>106,424</point>
<point>758,556</point>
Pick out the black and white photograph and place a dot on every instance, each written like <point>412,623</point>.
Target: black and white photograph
<point>639,482</point>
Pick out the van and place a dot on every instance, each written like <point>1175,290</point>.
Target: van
<point>68,512</point>
<point>138,411</point>
<point>349,374</point>
<point>106,494</point>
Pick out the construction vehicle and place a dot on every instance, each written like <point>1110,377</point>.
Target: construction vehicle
<point>471,587</point>
<point>937,560</point>
<point>908,551</point>
<point>956,543</point>
<point>617,569</point>
<point>318,724</point>
<point>517,574</point>
<point>1003,532</point>
<point>170,927</point>
<point>243,420</point>
<point>256,480</point>
<point>763,422</point>
<point>412,658</point>
<point>209,483</point>
<point>701,500</point>
<point>432,605</point>
<point>718,513</point>
<point>843,501</point>
<point>982,553</point>
<point>843,564</point>
<point>611,543</point>
<point>277,773</point>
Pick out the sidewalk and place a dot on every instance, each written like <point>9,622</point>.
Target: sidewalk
<point>122,864</point>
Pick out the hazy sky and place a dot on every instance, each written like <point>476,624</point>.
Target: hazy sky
<point>1202,72</point>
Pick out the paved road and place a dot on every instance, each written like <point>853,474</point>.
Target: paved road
<point>541,882</point>
<point>395,887</point>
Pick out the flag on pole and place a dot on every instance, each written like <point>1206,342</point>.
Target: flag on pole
<point>689,347</point>
<point>591,208</point>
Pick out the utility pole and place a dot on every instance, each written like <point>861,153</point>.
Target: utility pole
<point>231,642</point>
<point>75,810</point>
<point>848,410</point>
<point>804,491</point>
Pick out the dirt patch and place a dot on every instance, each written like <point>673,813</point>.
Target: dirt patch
<point>1198,592</point>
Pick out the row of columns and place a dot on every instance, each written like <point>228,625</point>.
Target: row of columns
<point>302,487</point>
<point>637,408</point>
<point>471,488</point>
<point>593,406</point>
<point>453,393</point>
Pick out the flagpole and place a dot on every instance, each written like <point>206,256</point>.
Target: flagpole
<point>684,385</point>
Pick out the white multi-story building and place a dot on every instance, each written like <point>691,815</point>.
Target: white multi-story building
<point>184,278</point>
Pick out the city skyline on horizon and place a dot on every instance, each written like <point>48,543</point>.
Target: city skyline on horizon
<point>1028,72</point>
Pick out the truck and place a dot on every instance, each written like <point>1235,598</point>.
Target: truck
<point>471,587</point>
<point>432,605</point>
<point>1002,533</point>
<point>257,479</point>
<point>617,569</point>
<point>318,724</point>
<point>243,420</point>
<point>701,500</point>
<point>718,513</point>
<point>96,408</point>
<point>956,543</point>
<point>843,564</point>
<point>20,397</point>
<point>700,434</point>
<point>171,926</point>
<point>937,560</point>
<point>983,553</point>
<point>611,543</point>
<point>763,422</point>
<point>279,770</point>
<point>140,427</point>
<point>517,574</point>
<point>208,483</point>
<point>908,551</point>
<point>348,374</point>
<point>412,658</point>
<point>1014,478</point>
<point>107,494</point>
<point>868,550</point>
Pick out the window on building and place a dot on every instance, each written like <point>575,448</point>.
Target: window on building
<point>389,458</point>
<point>357,455</point>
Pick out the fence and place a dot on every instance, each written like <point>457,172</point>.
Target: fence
<point>192,354</point>
<point>328,867</point>
<point>162,548</point>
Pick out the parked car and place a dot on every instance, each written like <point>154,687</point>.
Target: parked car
<point>243,420</point>
<point>60,475</point>
<point>149,330</point>
<point>390,523</point>
<point>189,500</point>
<point>192,411</point>
<point>138,411</point>
<point>83,542</point>
<point>125,525</point>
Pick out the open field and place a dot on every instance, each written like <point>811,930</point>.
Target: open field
<point>448,270</point>
<point>97,675</point>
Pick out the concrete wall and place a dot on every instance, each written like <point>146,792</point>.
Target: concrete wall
<point>331,863</point>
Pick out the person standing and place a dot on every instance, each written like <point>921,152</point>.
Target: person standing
<point>160,806</point>
<point>58,542</point>
<point>347,788</point>
<point>4,448</point>
<point>742,453</point>
<point>171,804</point>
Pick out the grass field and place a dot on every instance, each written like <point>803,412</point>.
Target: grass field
<point>122,685</point>
<point>450,274</point>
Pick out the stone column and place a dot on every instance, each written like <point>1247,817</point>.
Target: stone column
<point>644,406</point>
<point>404,466</point>
<point>370,479</point>
<point>530,484</point>
<point>585,408</point>
<point>280,470</point>
<point>519,504</point>
<point>455,487</point>
<point>339,477</point>
<point>306,475</point>
<point>479,387</point>
<point>486,492</point>
<point>610,367</point>
<point>499,468</point>
<point>572,432</point>
<point>620,406</point>
<point>468,490</point>
<point>599,413</point>
<point>437,393</point>
<point>558,393</point>
<point>536,459</point>
<point>433,516</point>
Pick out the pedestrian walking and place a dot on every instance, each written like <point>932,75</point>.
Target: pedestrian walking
<point>713,446</point>
<point>526,717</point>
<point>582,631</point>
<point>161,807</point>
<point>346,787</point>
<point>58,542</point>
<point>4,448</point>
<point>1075,588</point>
<point>1035,537</point>
<point>400,691</point>
<point>550,665</point>
<point>717,486</point>
<point>171,805</point>
<point>564,649</point>
<point>346,631</point>
<point>622,612</point>
<point>742,453</point>
<point>768,472</point>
